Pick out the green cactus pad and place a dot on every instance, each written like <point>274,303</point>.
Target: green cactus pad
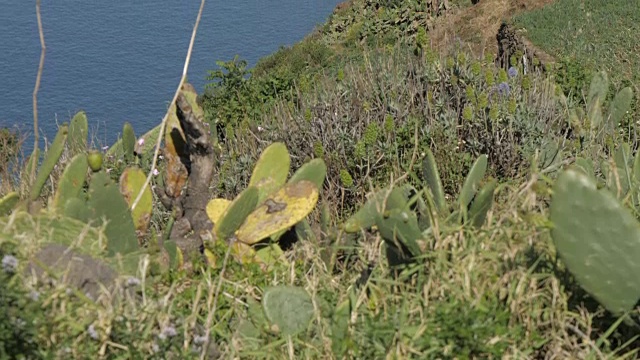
<point>280,211</point>
<point>77,208</point>
<point>314,171</point>
<point>271,170</point>
<point>585,166</point>
<point>597,95</point>
<point>131,182</point>
<point>78,131</point>
<point>598,239</point>
<point>71,181</point>
<point>482,204</point>
<point>50,161</point>
<point>8,203</point>
<point>432,177</point>
<point>366,216</point>
<point>128,141</point>
<point>107,203</point>
<point>619,106</point>
<point>236,213</point>
<point>471,183</point>
<point>402,226</point>
<point>289,308</point>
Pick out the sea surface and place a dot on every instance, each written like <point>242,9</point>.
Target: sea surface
<point>122,60</point>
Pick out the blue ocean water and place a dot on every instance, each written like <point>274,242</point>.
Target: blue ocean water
<point>122,60</point>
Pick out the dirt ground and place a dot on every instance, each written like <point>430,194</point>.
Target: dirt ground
<point>476,26</point>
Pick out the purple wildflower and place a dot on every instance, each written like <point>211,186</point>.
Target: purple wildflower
<point>504,88</point>
<point>513,72</point>
<point>92,332</point>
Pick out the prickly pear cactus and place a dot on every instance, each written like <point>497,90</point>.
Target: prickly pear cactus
<point>128,141</point>
<point>8,203</point>
<point>432,178</point>
<point>482,204</point>
<point>78,132</point>
<point>50,161</point>
<point>106,202</point>
<point>598,239</point>
<point>619,106</point>
<point>289,308</point>
<point>215,209</point>
<point>236,213</point>
<point>314,171</point>
<point>271,170</point>
<point>597,94</point>
<point>402,226</point>
<point>77,208</point>
<point>365,217</point>
<point>471,183</point>
<point>280,211</point>
<point>71,182</point>
<point>131,182</point>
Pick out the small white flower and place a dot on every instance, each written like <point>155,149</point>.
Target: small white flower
<point>168,331</point>
<point>92,332</point>
<point>132,281</point>
<point>141,141</point>
<point>160,157</point>
<point>155,172</point>
<point>108,170</point>
<point>105,148</point>
<point>9,263</point>
<point>260,129</point>
<point>199,340</point>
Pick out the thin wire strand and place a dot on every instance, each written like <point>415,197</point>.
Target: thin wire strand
<point>163,125</point>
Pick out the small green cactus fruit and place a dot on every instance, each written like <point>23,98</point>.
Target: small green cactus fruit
<point>280,211</point>
<point>400,226</point>
<point>78,131</point>
<point>271,170</point>
<point>215,209</point>
<point>71,182</point>
<point>128,141</point>
<point>365,217</point>
<point>236,213</point>
<point>598,239</point>
<point>131,182</point>
<point>432,178</point>
<point>289,309</point>
<point>471,183</point>
<point>482,203</point>
<point>50,161</point>
<point>314,171</point>
<point>95,160</point>
<point>107,203</point>
<point>8,203</point>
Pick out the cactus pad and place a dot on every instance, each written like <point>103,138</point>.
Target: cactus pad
<point>289,308</point>
<point>50,160</point>
<point>271,170</point>
<point>400,225</point>
<point>128,141</point>
<point>314,171</point>
<point>432,177</point>
<point>215,209</point>
<point>281,210</point>
<point>482,204</point>
<point>131,182</point>
<point>8,202</point>
<point>106,202</point>
<point>78,131</point>
<point>71,182</point>
<point>366,216</point>
<point>236,213</point>
<point>598,239</point>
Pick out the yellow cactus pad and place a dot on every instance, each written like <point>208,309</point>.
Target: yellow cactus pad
<point>243,252</point>
<point>283,209</point>
<point>217,207</point>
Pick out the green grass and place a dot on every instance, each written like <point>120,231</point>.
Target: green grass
<point>592,34</point>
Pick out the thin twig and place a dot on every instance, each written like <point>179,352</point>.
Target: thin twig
<point>36,88</point>
<point>163,125</point>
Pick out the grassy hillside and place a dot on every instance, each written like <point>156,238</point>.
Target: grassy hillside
<point>471,253</point>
